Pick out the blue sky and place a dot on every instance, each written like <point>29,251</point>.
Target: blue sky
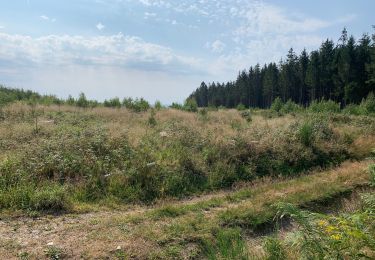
<point>158,49</point>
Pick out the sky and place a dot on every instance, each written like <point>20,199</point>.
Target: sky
<point>159,49</point>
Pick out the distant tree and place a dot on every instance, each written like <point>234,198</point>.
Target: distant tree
<point>82,101</point>
<point>70,101</point>
<point>343,73</point>
<point>113,102</point>
<point>158,106</point>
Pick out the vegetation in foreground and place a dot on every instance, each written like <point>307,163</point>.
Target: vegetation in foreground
<point>226,225</point>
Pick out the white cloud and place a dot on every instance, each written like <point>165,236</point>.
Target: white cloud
<point>100,26</point>
<point>262,18</point>
<point>148,15</point>
<point>46,18</point>
<point>114,50</point>
<point>216,46</point>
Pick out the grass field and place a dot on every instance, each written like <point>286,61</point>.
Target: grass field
<point>168,184</point>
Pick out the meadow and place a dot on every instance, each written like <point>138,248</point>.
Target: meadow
<point>176,183</point>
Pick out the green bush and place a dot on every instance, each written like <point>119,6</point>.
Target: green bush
<point>277,105</point>
<point>158,106</point>
<point>372,174</point>
<point>152,120</point>
<point>241,107</point>
<point>290,107</point>
<point>306,133</point>
<point>190,105</point>
<point>114,102</point>
<point>324,106</point>
<point>137,105</point>
<point>246,114</point>
<point>353,109</point>
<point>82,101</point>
<point>368,105</point>
<point>176,106</point>
<point>52,198</point>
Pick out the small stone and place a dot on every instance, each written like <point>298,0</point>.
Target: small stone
<point>163,134</point>
<point>118,248</point>
<point>50,244</point>
<point>151,164</point>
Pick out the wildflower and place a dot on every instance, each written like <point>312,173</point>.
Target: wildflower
<point>322,223</point>
<point>336,237</point>
<point>330,229</point>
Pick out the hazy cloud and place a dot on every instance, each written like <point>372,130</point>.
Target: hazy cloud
<point>100,26</point>
<point>46,18</point>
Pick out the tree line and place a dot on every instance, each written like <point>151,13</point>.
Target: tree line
<point>343,72</point>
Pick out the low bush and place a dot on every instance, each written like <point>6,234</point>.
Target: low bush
<point>290,107</point>
<point>137,105</point>
<point>246,114</point>
<point>241,107</point>
<point>277,105</point>
<point>324,106</point>
<point>306,133</point>
<point>190,105</point>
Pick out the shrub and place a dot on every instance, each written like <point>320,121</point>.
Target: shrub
<point>82,101</point>
<point>241,107</point>
<point>246,115</point>
<point>290,107</point>
<point>114,102</point>
<point>372,174</point>
<point>190,105</point>
<point>203,114</point>
<point>368,104</point>
<point>306,133</point>
<point>152,120</point>
<point>158,106</point>
<point>277,104</point>
<point>50,198</point>
<point>324,106</point>
<point>353,109</point>
<point>176,106</point>
<point>137,105</point>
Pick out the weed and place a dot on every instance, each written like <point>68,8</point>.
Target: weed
<point>274,249</point>
<point>226,244</point>
<point>306,134</point>
<point>54,252</point>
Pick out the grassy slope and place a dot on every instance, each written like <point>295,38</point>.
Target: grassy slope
<point>180,229</point>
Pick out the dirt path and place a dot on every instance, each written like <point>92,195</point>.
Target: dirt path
<point>139,231</point>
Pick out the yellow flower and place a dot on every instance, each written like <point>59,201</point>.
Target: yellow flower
<point>322,223</point>
<point>329,229</point>
<point>336,237</point>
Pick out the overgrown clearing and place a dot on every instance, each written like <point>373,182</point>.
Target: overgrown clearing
<point>169,184</point>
